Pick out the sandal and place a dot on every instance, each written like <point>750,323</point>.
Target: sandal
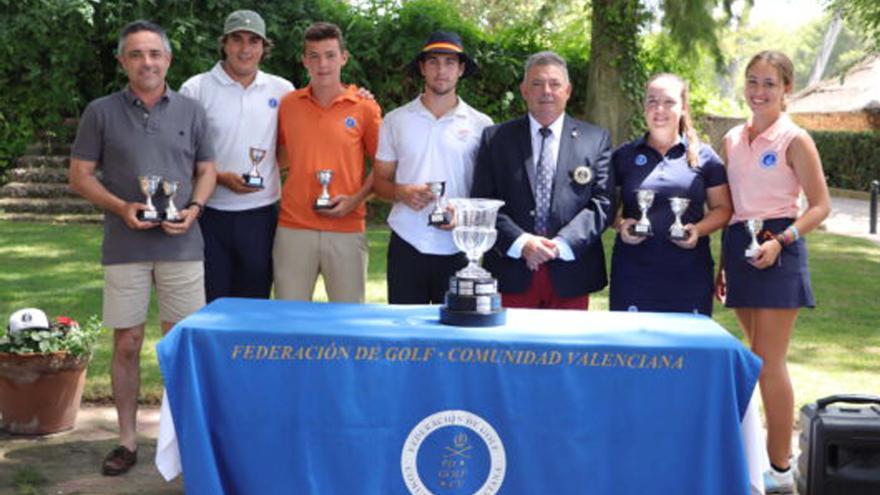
<point>119,461</point>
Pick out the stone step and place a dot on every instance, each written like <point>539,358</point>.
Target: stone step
<point>48,161</point>
<point>43,175</point>
<point>42,205</point>
<point>48,149</point>
<point>52,217</point>
<point>36,190</point>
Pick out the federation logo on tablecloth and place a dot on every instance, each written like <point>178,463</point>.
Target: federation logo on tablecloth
<point>453,452</point>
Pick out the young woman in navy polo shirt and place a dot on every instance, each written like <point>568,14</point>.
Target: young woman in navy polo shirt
<point>659,272</point>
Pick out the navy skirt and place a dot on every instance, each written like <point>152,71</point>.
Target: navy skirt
<point>785,284</point>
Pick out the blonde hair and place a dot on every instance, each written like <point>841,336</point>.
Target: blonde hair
<point>778,61</point>
<point>685,124</point>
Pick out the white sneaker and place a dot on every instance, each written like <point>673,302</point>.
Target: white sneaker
<point>776,482</point>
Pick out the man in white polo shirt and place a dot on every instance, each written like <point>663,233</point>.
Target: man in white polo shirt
<point>432,139</point>
<point>241,101</point>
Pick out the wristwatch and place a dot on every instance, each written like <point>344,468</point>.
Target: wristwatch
<point>196,203</point>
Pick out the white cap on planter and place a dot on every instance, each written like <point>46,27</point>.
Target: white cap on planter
<point>27,318</point>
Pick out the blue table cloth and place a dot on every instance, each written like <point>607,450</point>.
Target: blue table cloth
<point>289,397</point>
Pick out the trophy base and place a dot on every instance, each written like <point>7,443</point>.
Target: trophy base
<point>173,220</point>
<point>469,319</point>
<point>641,231</point>
<point>440,219</point>
<point>473,303</point>
<point>323,205</point>
<point>678,234</point>
<point>149,216</point>
<point>253,181</point>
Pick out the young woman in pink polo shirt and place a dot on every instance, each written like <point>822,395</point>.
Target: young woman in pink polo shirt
<point>769,161</point>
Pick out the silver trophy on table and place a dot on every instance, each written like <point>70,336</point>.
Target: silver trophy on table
<point>753,226</point>
<point>677,232</point>
<point>642,228</point>
<point>253,177</point>
<point>149,184</point>
<point>473,299</point>
<point>324,201</point>
<point>172,214</point>
<point>439,216</point>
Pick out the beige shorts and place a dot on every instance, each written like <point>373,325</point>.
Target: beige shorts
<point>340,257</point>
<point>180,290</point>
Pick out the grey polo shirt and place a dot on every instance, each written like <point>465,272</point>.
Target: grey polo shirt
<point>128,140</point>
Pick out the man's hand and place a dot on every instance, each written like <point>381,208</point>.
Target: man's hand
<point>235,183</point>
<point>129,213</point>
<point>416,196</point>
<point>538,250</point>
<point>365,94</point>
<point>188,215</point>
<point>343,204</point>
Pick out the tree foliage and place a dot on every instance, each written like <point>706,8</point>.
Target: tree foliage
<point>865,14</point>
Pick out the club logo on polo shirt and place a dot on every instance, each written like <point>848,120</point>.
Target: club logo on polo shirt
<point>453,451</point>
<point>273,102</point>
<point>641,160</point>
<point>350,123</point>
<point>769,159</point>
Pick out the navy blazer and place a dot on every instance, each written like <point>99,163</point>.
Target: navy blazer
<point>578,213</point>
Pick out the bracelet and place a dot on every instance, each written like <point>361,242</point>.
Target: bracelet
<point>794,231</point>
<point>196,203</point>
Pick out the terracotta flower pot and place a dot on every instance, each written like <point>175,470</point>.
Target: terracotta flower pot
<point>40,393</point>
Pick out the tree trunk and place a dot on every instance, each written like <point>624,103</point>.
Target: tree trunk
<point>607,102</point>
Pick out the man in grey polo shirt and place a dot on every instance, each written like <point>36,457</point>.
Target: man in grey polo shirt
<point>144,129</point>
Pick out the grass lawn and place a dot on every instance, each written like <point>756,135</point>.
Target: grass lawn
<point>836,347</point>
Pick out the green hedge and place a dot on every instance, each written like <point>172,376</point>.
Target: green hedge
<point>851,159</point>
<point>59,54</point>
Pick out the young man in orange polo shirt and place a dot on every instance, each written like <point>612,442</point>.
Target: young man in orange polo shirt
<point>325,126</point>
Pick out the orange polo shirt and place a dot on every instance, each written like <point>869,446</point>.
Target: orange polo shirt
<point>338,138</point>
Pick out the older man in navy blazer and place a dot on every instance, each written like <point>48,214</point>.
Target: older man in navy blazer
<point>552,172</point>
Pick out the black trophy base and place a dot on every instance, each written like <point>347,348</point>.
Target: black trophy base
<point>323,205</point>
<point>149,216</point>
<point>473,303</point>
<point>254,181</point>
<point>638,231</point>
<point>469,319</point>
<point>440,219</point>
<point>678,234</point>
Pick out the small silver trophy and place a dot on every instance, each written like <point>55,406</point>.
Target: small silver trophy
<point>753,226</point>
<point>642,228</point>
<point>149,184</point>
<point>324,202</point>
<point>473,299</point>
<point>440,215</point>
<point>677,232</point>
<point>172,214</point>
<point>253,177</point>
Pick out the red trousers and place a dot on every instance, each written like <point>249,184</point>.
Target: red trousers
<point>541,295</point>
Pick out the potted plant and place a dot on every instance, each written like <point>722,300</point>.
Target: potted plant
<point>42,371</point>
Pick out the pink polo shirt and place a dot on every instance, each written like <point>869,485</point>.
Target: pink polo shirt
<point>762,182</point>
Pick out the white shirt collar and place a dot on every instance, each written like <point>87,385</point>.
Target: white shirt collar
<point>223,77</point>
<point>555,127</point>
<point>459,110</point>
